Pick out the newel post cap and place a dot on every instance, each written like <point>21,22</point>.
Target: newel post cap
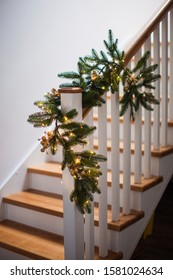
<point>70,90</point>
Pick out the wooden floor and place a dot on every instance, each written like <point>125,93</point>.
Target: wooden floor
<point>159,246</point>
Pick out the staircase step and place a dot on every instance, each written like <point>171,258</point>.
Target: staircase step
<point>44,202</point>
<point>47,168</point>
<point>163,151</point>
<point>146,183</point>
<point>53,204</point>
<point>54,169</point>
<point>38,244</point>
<point>31,242</point>
<point>124,222</point>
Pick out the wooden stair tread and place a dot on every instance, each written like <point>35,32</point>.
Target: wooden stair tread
<point>163,151</point>
<point>54,169</point>
<point>124,222</point>
<point>38,244</point>
<point>146,183</point>
<point>47,168</point>
<point>40,201</point>
<point>52,204</point>
<point>31,242</point>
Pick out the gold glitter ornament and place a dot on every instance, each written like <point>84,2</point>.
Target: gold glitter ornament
<point>94,75</point>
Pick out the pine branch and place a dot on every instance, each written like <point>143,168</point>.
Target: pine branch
<point>69,75</point>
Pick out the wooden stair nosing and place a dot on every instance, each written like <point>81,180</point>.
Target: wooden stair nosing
<point>20,200</point>
<point>49,168</point>
<point>38,244</point>
<point>124,222</point>
<point>145,184</point>
<point>163,151</point>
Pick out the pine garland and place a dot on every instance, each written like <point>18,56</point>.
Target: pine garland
<point>83,166</point>
<point>97,74</point>
<point>101,72</point>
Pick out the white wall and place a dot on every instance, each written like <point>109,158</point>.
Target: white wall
<point>38,40</point>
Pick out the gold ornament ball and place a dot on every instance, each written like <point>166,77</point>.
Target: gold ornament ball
<point>126,88</point>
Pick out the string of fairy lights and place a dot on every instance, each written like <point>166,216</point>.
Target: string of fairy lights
<point>97,74</point>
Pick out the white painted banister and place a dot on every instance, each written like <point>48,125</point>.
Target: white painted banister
<point>147,126</point>
<point>171,67</point>
<point>115,156</point>
<point>156,117</point>
<point>138,138</point>
<point>164,118</point>
<point>73,220</point>
<point>89,218</point>
<point>102,149</point>
<point>138,146</point>
<point>126,161</point>
<point>79,229</point>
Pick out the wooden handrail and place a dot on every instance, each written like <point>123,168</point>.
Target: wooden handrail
<point>151,26</point>
<point>145,33</point>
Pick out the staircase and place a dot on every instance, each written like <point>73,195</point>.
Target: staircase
<point>139,167</point>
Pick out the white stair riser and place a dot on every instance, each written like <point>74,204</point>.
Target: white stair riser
<point>135,198</point>
<point>108,166</point>
<point>109,155</point>
<point>121,131</point>
<point>34,182</point>
<point>54,185</point>
<point>35,219</point>
<point>46,183</point>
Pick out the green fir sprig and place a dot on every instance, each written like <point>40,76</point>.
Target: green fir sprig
<point>66,132</point>
<point>137,85</point>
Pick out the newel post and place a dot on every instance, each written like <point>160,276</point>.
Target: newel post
<point>71,98</point>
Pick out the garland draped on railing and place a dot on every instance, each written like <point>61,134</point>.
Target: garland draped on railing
<point>83,166</point>
<point>97,74</point>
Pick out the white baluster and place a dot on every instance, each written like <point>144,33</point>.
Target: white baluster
<point>171,67</point>
<point>73,220</point>
<point>102,149</point>
<point>164,119</point>
<point>126,161</point>
<point>115,156</point>
<point>89,218</point>
<point>147,127</point>
<point>156,124</point>
<point>138,138</point>
<point>138,146</point>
